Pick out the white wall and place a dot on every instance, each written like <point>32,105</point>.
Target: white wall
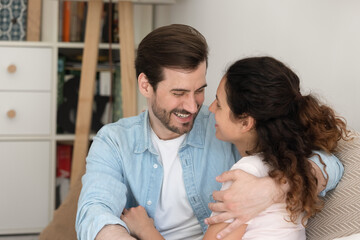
<point>319,40</point>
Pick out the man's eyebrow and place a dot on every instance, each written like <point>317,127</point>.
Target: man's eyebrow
<point>186,90</point>
<point>203,86</point>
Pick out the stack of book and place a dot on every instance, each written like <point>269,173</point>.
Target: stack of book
<point>72,20</point>
<point>63,169</point>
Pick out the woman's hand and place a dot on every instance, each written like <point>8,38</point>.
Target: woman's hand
<point>140,224</point>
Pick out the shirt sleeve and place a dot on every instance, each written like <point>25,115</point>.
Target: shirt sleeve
<point>332,171</point>
<point>103,194</point>
<point>250,164</point>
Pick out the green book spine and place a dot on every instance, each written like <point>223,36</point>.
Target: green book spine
<point>117,101</point>
<point>60,80</point>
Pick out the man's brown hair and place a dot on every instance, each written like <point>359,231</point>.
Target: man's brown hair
<point>174,46</point>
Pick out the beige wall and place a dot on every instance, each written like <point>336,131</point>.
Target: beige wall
<point>320,40</point>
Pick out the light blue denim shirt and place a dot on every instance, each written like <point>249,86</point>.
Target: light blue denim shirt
<point>123,170</point>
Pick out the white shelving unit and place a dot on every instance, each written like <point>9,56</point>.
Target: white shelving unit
<point>28,125</point>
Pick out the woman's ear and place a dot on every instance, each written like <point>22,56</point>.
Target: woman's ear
<point>248,123</point>
<point>145,87</point>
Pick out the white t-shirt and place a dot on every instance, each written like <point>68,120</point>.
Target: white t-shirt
<point>174,217</point>
<point>270,224</point>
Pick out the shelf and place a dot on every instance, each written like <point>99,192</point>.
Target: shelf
<point>149,1</point>
<point>69,137</point>
<point>25,44</point>
<point>133,1</point>
<point>74,45</point>
<point>24,138</point>
<point>45,155</point>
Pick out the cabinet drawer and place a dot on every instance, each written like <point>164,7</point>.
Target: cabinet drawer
<point>24,184</point>
<point>24,68</point>
<point>24,113</point>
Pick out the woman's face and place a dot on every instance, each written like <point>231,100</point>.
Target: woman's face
<point>227,129</point>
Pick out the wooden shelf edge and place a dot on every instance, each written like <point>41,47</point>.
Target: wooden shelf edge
<point>69,137</point>
<point>24,138</point>
<point>133,1</point>
<point>81,45</point>
<point>25,44</point>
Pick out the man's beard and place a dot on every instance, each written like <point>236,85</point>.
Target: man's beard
<point>165,118</point>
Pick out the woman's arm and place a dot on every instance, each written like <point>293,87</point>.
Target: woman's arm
<point>140,225</point>
<point>213,230</point>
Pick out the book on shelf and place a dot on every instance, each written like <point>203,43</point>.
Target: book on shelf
<point>63,160</point>
<point>110,24</point>
<point>115,25</point>
<point>63,171</point>
<point>66,15</point>
<point>74,36</point>
<point>61,80</point>
<point>72,21</point>
<point>117,111</point>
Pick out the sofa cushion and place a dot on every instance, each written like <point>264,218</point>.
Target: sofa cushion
<point>341,214</point>
<point>352,237</point>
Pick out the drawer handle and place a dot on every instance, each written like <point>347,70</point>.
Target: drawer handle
<point>11,68</point>
<point>11,113</point>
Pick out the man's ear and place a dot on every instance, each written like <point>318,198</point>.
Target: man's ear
<point>248,123</point>
<point>145,87</point>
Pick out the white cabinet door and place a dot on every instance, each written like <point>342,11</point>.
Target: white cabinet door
<point>24,186</point>
<point>24,69</point>
<point>25,113</point>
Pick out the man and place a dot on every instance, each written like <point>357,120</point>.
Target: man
<point>167,158</point>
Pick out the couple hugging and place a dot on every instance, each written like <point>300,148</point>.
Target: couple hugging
<point>164,174</point>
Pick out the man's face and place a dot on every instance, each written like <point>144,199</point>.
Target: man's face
<point>177,100</point>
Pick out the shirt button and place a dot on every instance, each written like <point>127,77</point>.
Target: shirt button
<point>149,202</point>
<point>155,165</point>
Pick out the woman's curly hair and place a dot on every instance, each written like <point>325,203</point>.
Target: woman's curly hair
<point>289,126</point>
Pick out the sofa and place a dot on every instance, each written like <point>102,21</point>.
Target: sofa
<point>341,214</point>
<point>339,218</point>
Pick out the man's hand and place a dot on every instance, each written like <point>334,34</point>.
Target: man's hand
<point>113,232</point>
<point>140,224</point>
<point>246,198</point>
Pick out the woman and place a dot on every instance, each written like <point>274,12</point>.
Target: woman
<point>259,108</point>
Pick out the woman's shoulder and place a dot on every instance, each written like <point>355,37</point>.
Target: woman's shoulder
<point>253,164</point>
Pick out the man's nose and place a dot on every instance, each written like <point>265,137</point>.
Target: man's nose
<point>190,104</point>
